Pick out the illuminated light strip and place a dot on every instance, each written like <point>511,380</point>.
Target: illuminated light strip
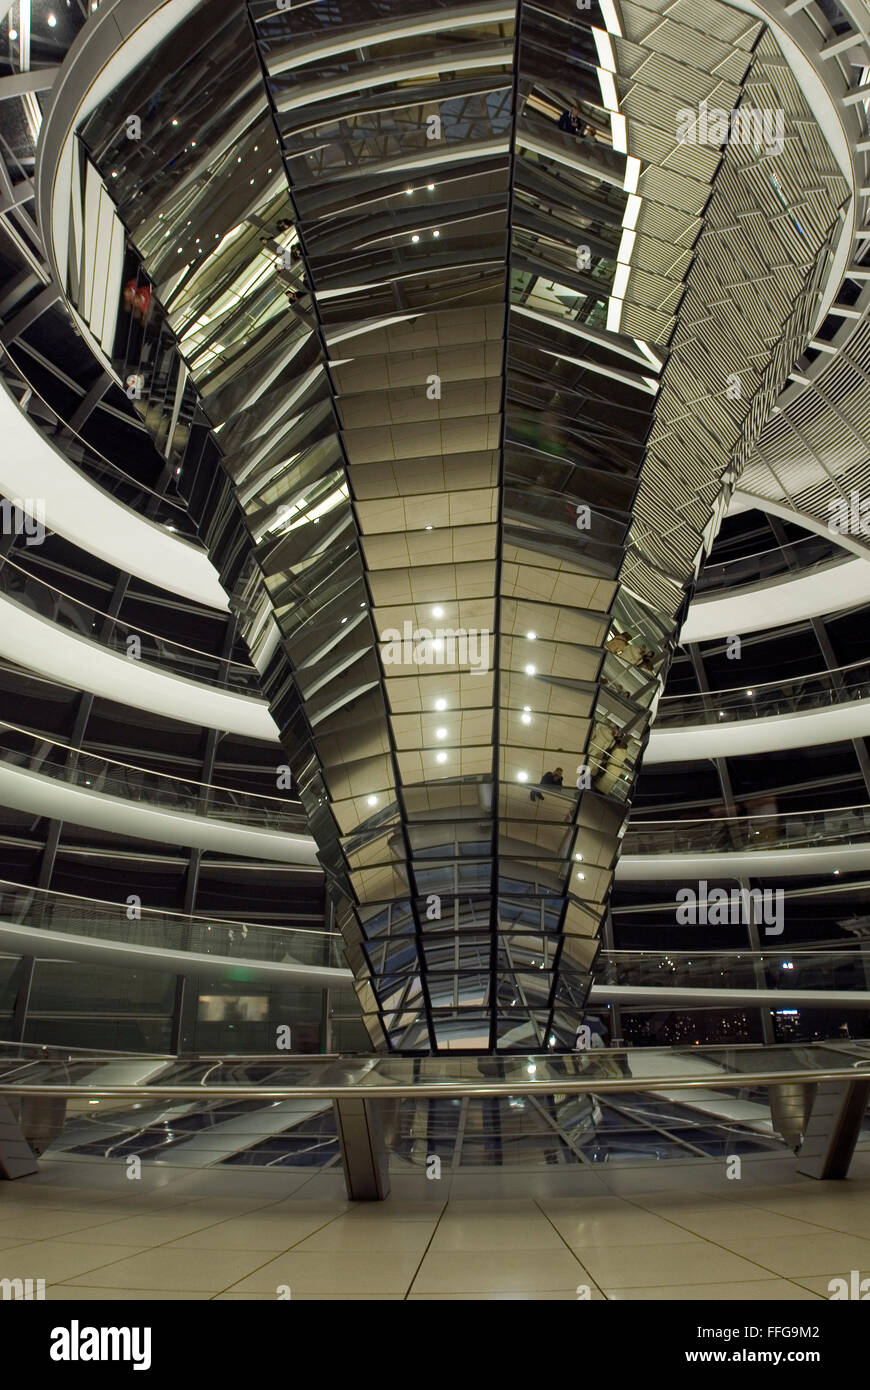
<point>605,50</point>
<point>611,18</point>
<point>626,246</point>
<point>619,142</point>
<point>632,209</point>
<point>608,89</point>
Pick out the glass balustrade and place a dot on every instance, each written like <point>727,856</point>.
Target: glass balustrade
<point>782,830</point>
<point>788,695</point>
<point>806,553</point>
<point>159,930</point>
<point>35,753</point>
<point>788,970</point>
<point>133,642</point>
<point>166,511</point>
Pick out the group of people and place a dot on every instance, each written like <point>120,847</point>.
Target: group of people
<point>573,123</point>
<point>622,645</point>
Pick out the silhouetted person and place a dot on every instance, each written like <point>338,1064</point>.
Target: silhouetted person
<point>549,779</point>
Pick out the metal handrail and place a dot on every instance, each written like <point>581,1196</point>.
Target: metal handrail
<point>280,804</point>
<point>136,629</point>
<point>194,920</point>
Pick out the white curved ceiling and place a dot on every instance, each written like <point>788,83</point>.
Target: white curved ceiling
<point>81,512</point>
<point>58,800</point>
<point>75,661</point>
<point>735,738</point>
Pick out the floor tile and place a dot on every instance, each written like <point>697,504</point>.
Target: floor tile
<point>42,1224</point>
<point>629,1266</point>
<point>322,1272</point>
<point>395,1211</point>
<point>54,1261</point>
<point>522,1271</point>
<point>148,1230</point>
<point>819,1253</point>
<point>720,1226</point>
<point>623,1228</point>
<point>65,1292</point>
<point>754,1291</point>
<point>191,1270</point>
<point>252,1233</point>
<point>541,1296</point>
<point>493,1233</point>
<point>377,1237</point>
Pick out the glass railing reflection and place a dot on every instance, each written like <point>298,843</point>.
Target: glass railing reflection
<point>161,930</point>
<point>134,642</point>
<point>809,551</point>
<point>790,695</point>
<point>36,753</point>
<point>721,834</point>
<point>166,511</point>
<point>788,970</point>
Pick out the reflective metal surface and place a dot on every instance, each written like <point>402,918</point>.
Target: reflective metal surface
<point>471,358</point>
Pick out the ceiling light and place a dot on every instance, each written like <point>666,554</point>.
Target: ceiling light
<point>440,704</point>
<point>530,670</point>
<point>415,237</point>
<point>409,191</point>
<point>13,34</point>
<point>372,800</point>
<point>750,692</point>
<point>531,636</point>
<point>441,757</point>
<point>51,21</point>
<point>428,528</point>
<point>579,858</point>
<point>526,718</point>
<point>581,875</point>
<point>430,186</point>
<point>438,611</point>
<point>174,121</point>
<point>440,733</point>
<point>522,777</point>
<point>436,233</point>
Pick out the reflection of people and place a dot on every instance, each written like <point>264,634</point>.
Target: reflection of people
<point>137,300</point>
<point>569,121</point>
<point>549,779</point>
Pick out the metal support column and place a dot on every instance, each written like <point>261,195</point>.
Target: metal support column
<point>833,1128</point>
<point>17,1159</point>
<point>363,1152</point>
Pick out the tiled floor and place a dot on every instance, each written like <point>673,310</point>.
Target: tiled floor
<point>647,1233</point>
